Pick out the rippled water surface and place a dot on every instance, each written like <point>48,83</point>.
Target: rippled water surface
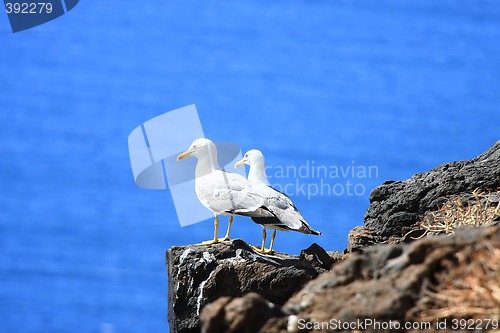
<point>395,86</point>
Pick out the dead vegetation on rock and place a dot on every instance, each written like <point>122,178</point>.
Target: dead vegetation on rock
<point>482,208</point>
<point>466,287</point>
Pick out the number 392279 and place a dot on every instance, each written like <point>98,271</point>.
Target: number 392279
<point>28,7</point>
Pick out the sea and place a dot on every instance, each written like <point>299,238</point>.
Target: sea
<point>339,95</point>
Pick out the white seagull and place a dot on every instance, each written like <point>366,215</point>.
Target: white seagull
<point>286,216</point>
<point>224,193</point>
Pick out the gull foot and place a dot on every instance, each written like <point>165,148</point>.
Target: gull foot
<point>209,242</point>
<point>224,239</point>
<point>258,249</point>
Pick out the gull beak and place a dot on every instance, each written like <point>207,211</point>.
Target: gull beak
<point>184,155</point>
<point>240,163</point>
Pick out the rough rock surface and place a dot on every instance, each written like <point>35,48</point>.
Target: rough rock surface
<point>199,275</point>
<point>396,207</point>
<point>380,276</point>
<point>383,283</point>
<point>241,314</point>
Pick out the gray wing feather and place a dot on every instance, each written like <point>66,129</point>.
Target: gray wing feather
<point>284,209</point>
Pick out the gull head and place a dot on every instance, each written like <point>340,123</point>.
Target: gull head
<point>252,157</point>
<point>257,173</point>
<point>200,147</point>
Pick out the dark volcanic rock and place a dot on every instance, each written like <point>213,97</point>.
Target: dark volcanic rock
<point>383,283</point>
<point>396,207</point>
<point>199,275</point>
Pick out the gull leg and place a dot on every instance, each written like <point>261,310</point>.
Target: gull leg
<point>228,229</point>
<point>216,233</point>
<point>272,243</point>
<point>262,248</point>
<point>264,236</point>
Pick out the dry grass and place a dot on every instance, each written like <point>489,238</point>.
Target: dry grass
<point>466,288</point>
<point>483,209</point>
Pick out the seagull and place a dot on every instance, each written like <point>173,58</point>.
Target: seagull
<point>224,193</point>
<point>286,216</point>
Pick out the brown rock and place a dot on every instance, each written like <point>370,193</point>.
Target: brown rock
<point>386,282</point>
<point>241,314</point>
<point>359,238</point>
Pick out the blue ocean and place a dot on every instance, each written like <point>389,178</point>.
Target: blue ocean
<point>338,95</point>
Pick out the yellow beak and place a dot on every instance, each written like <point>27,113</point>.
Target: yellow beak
<point>240,163</point>
<point>183,155</point>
